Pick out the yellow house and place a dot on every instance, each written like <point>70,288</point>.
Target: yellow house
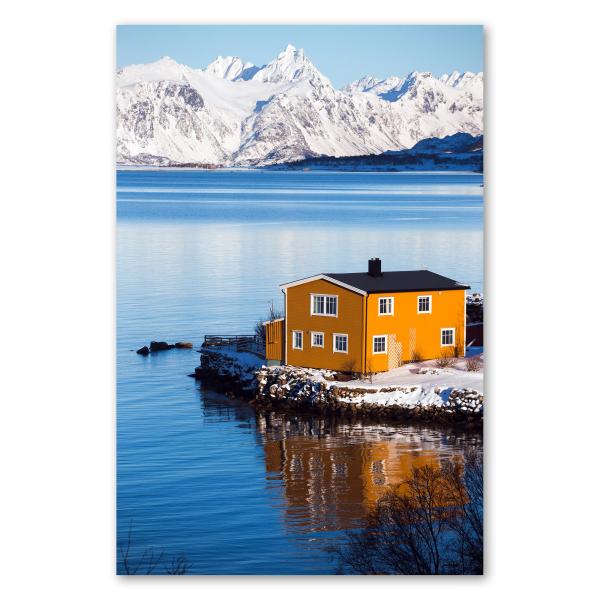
<point>368,322</point>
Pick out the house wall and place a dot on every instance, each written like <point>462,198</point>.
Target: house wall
<point>416,332</point>
<point>274,340</point>
<point>350,321</point>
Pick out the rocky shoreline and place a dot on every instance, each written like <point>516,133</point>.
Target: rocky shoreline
<point>292,389</point>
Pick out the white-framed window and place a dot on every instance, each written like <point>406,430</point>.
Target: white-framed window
<point>340,342</point>
<point>297,340</point>
<point>380,344</point>
<point>448,336</point>
<point>318,339</point>
<point>424,304</point>
<point>386,306</point>
<point>324,305</point>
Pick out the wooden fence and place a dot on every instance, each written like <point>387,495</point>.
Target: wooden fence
<point>241,343</point>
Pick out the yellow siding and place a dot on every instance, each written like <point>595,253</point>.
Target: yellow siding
<point>274,340</point>
<point>409,333</point>
<point>415,332</point>
<point>348,321</point>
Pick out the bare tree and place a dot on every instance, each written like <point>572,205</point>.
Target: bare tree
<point>465,490</point>
<point>145,564</point>
<point>349,367</point>
<point>179,566</point>
<point>370,371</point>
<point>473,363</point>
<point>431,524</point>
<point>272,315</point>
<point>148,561</point>
<point>446,358</point>
<point>416,356</point>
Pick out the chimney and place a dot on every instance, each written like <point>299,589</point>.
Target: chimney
<point>374,267</point>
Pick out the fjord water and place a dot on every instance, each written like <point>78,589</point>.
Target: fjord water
<point>203,252</point>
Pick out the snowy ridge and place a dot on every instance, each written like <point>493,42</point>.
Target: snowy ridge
<point>231,68</point>
<point>233,113</point>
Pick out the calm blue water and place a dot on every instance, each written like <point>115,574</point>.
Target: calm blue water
<point>203,252</point>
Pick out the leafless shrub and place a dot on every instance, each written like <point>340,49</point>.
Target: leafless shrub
<point>179,566</point>
<point>349,368</point>
<point>432,524</point>
<point>473,363</point>
<point>416,357</point>
<point>144,564</point>
<point>149,560</point>
<point>446,359</point>
<point>259,328</point>
<point>370,371</point>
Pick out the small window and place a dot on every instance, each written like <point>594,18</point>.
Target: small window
<point>318,339</point>
<point>448,337</point>
<point>297,340</point>
<point>340,342</point>
<point>386,306</point>
<point>331,305</point>
<point>318,305</point>
<point>424,304</point>
<point>380,344</point>
<point>323,305</point>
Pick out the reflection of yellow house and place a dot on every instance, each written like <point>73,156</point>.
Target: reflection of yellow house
<point>333,484</point>
<point>368,322</point>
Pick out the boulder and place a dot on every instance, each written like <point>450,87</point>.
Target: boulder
<point>144,351</point>
<point>156,346</point>
<point>184,345</point>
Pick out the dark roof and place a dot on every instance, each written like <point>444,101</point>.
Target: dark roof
<point>399,281</point>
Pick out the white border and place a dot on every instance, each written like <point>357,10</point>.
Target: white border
<point>373,344</point>
<point>347,343</point>
<point>294,347</point>
<point>75,523</point>
<point>325,296</point>
<point>273,321</point>
<point>312,344</point>
<point>453,329</point>
<point>285,286</point>
<point>425,312</point>
<point>379,313</point>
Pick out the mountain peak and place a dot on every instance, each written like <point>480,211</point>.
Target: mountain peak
<point>230,67</point>
<point>163,69</point>
<point>362,85</point>
<point>290,65</point>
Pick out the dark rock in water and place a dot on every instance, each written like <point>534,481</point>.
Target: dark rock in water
<point>156,346</point>
<point>144,351</point>
<point>184,345</point>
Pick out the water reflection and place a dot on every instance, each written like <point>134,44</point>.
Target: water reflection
<point>331,471</point>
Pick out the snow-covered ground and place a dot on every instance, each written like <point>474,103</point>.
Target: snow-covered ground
<point>412,385</point>
<point>427,375</point>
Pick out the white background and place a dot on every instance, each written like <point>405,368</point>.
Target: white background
<point>57,292</point>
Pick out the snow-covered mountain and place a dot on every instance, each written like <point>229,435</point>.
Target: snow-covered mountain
<point>232,68</point>
<point>235,113</point>
<point>458,152</point>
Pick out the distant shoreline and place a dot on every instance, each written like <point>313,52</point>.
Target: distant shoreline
<point>287,169</point>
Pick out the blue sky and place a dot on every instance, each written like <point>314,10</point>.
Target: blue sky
<point>343,53</point>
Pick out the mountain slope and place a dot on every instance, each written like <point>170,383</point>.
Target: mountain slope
<point>458,152</point>
<point>231,68</point>
<point>234,113</point>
